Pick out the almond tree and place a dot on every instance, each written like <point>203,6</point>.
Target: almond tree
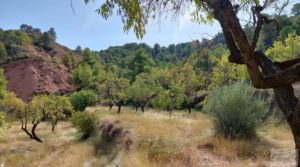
<point>264,73</point>
<point>191,84</point>
<point>142,91</point>
<point>120,95</point>
<point>42,108</point>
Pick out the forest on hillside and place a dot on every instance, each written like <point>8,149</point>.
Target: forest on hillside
<point>192,89</point>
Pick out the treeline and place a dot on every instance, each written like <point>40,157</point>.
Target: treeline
<point>161,55</point>
<point>176,76</point>
<point>141,82</point>
<point>13,42</point>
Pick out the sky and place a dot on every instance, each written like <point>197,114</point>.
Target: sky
<point>88,29</point>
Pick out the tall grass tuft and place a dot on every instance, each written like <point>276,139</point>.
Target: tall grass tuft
<point>235,111</point>
<point>2,119</point>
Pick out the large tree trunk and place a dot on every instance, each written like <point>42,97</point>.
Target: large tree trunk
<point>289,104</point>
<point>286,100</point>
<point>296,135</point>
<point>243,53</point>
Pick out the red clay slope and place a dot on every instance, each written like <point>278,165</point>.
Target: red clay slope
<point>36,76</point>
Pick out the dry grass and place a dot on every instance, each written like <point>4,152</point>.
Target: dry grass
<point>60,148</point>
<point>242,149</point>
<point>282,137</point>
<point>159,141</point>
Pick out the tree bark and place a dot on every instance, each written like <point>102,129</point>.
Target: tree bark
<point>24,128</point>
<point>278,76</point>
<point>54,123</point>
<point>295,124</point>
<point>170,113</point>
<point>286,100</point>
<point>119,109</point>
<point>143,108</point>
<point>35,137</point>
<point>110,106</point>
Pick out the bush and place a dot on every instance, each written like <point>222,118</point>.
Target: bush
<point>68,60</point>
<point>85,123</point>
<point>2,84</point>
<point>235,110</point>
<point>83,76</point>
<point>80,100</point>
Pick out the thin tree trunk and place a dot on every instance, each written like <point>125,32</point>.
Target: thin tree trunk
<point>110,106</point>
<point>143,108</point>
<point>170,113</point>
<point>54,123</point>
<point>24,125</point>
<point>35,137</point>
<point>24,128</point>
<point>190,110</point>
<point>119,109</point>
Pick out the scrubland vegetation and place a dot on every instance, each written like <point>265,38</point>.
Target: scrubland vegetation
<point>136,105</point>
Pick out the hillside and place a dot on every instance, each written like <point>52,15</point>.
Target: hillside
<point>34,65</point>
<point>33,76</point>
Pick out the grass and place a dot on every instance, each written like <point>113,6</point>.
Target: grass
<point>60,148</point>
<point>159,141</point>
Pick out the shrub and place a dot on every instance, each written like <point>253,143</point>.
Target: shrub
<point>2,84</point>
<point>83,76</point>
<point>80,100</point>
<point>235,110</point>
<point>68,60</point>
<point>85,123</point>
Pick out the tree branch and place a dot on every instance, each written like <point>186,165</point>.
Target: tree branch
<point>238,43</point>
<point>288,63</point>
<point>274,76</point>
